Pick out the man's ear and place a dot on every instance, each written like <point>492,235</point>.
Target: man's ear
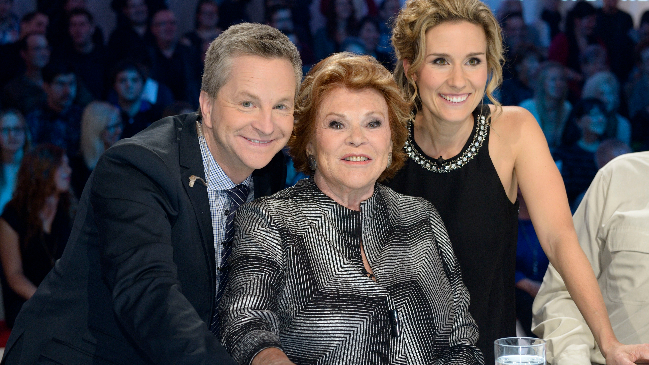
<point>406,67</point>
<point>205,101</point>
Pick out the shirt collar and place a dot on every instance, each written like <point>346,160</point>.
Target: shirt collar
<point>214,174</point>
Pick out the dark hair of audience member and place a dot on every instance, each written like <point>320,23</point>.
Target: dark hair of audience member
<point>80,11</point>
<point>178,107</point>
<point>35,183</point>
<point>54,69</point>
<point>127,65</point>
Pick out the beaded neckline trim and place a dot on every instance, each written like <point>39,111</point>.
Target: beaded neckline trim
<point>479,135</point>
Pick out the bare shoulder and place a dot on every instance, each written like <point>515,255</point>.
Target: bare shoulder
<point>511,117</point>
<point>513,125</point>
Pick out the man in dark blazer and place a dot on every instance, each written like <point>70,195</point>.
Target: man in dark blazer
<point>138,281</point>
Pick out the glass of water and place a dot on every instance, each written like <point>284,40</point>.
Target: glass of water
<point>520,351</point>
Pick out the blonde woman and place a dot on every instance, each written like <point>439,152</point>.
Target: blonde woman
<point>101,127</point>
<point>469,159</point>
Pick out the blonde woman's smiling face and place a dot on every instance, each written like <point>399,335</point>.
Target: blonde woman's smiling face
<point>452,80</point>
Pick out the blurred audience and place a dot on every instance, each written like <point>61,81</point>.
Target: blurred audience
<point>605,87</point>
<point>614,27</point>
<point>59,120</point>
<point>11,63</point>
<point>550,20</point>
<point>9,24</point>
<point>578,166</point>
<point>282,17</point>
<point>34,225</point>
<point>341,23</point>
<point>174,64</point>
<point>136,112</point>
<point>101,127</point>
<point>369,32</point>
<point>579,33</point>
<point>206,27</point>
<point>26,92</point>
<point>525,63</point>
<point>88,59</point>
<point>549,105</point>
<point>14,142</point>
<point>129,39</point>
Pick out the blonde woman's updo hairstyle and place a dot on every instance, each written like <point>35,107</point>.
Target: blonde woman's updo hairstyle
<point>354,72</point>
<point>418,16</point>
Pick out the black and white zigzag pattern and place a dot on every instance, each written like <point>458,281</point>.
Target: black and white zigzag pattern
<point>297,282</point>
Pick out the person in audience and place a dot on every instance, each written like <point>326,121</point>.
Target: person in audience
<point>59,120</point>
<point>206,26</point>
<point>607,151</point>
<point>35,225</point>
<point>642,32</point>
<point>173,63</point>
<point>605,87</point>
<point>9,23</point>
<point>531,264</point>
<point>101,127</point>
<point>136,112</point>
<point>636,90</point>
<point>281,17</point>
<point>549,24</point>
<point>88,59</point>
<point>594,59</point>
<point>341,23</point>
<point>369,34</point>
<point>131,38</point>
<point>550,106</point>
<point>611,224</point>
<point>26,92</point>
<point>140,274</point>
<point>388,10</point>
<point>469,159</point>
<point>578,166</point>
<point>525,64</point>
<point>58,30</point>
<point>342,225</point>
<point>34,22</point>
<point>579,33</point>
<point>14,142</point>
<point>515,35</point>
<point>613,29</point>
<point>11,63</point>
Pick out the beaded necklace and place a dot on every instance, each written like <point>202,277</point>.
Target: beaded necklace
<point>480,128</point>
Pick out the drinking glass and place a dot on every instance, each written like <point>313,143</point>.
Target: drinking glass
<point>520,351</point>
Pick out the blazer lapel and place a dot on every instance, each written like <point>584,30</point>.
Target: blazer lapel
<point>191,167</point>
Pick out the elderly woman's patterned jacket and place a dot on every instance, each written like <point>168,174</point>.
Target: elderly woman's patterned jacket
<point>296,281</point>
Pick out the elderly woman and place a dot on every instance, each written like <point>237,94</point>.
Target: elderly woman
<point>469,159</point>
<point>340,269</point>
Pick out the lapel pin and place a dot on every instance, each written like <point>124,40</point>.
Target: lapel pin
<point>192,181</point>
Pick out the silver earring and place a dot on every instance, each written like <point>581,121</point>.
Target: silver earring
<point>389,160</point>
<point>313,164</point>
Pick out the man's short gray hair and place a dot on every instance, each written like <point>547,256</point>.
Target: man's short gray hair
<point>246,39</point>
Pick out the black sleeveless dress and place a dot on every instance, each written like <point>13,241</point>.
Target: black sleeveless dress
<point>481,223</point>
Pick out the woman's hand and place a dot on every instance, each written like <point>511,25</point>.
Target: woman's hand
<point>620,354</point>
<point>271,356</point>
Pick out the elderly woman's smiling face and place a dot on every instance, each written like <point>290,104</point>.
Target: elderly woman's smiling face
<point>352,142</point>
